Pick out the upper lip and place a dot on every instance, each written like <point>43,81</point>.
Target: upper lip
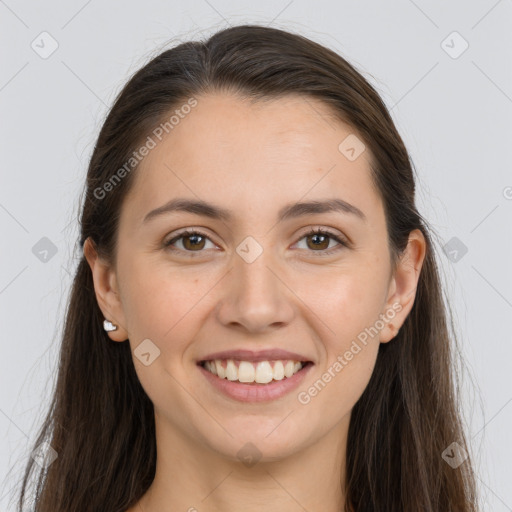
<point>255,356</point>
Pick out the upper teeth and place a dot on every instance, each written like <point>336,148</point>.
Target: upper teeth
<point>261,372</point>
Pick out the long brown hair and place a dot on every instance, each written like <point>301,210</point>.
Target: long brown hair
<point>101,423</point>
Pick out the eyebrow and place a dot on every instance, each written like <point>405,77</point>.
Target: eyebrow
<point>292,210</point>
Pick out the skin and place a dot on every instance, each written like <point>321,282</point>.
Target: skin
<point>252,159</point>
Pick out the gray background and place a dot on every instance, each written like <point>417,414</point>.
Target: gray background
<point>453,110</point>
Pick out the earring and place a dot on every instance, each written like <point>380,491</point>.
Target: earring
<point>109,326</point>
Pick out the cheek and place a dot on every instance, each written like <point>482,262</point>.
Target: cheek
<point>156,299</point>
<point>340,381</point>
<point>159,308</point>
<point>350,356</point>
<point>167,308</point>
<point>347,380</point>
<point>347,305</point>
<point>346,300</point>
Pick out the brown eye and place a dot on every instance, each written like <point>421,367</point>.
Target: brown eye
<point>193,241</point>
<point>318,240</point>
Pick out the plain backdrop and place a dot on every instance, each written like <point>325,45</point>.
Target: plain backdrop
<point>444,70</point>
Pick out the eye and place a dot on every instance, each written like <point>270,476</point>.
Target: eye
<point>318,238</point>
<point>193,240</point>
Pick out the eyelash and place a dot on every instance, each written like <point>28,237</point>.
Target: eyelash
<point>315,231</point>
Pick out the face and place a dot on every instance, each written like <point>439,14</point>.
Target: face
<point>255,279</point>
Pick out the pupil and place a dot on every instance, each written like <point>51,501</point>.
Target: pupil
<point>316,236</point>
<point>193,240</point>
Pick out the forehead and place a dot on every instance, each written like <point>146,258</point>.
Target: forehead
<point>253,157</point>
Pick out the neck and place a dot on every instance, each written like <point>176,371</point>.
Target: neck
<point>190,476</point>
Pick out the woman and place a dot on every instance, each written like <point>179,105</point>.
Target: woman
<point>256,322</point>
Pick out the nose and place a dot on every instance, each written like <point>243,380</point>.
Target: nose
<point>256,297</point>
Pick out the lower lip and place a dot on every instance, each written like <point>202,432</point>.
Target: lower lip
<point>256,392</point>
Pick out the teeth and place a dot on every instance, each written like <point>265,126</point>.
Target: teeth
<point>221,372</point>
<point>288,368</point>
<point>261,372</point>
<point>246,371</point>
<point>264,372</point>
<point>278,370</point>
<point>231,371</point>
<point>213,367</point>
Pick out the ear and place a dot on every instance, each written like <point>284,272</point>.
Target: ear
<point>404,283</point>
<point>107,292</point>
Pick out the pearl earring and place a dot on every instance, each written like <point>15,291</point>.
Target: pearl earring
<point>109,326</point>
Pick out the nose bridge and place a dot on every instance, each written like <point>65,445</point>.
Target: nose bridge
<point>255,283</point>
<point>252,269</point>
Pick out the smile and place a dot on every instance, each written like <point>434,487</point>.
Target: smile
<point>261,372</point>
<point>248,381</point>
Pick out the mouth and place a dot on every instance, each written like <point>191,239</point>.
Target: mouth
<point>254,381</point>
<point>255,373</point>
<point>254,376</point>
